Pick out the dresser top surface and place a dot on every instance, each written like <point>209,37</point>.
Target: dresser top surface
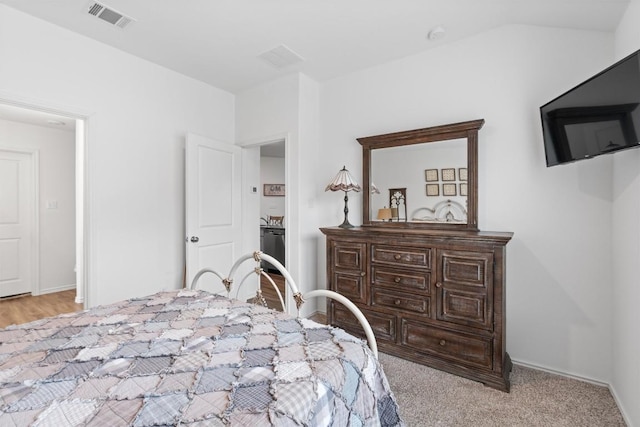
<point>498,236</point>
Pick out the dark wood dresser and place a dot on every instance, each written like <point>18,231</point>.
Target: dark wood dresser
<point>435,297</point>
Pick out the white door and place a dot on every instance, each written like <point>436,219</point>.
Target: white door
<point>213,208</point>
<point>16,210</point>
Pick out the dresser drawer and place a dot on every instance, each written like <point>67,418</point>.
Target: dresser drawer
<point>463,348</point>
<point>414,303</point>
<point>406,256</point>
<point>415,280</point>
<point>383,325</point>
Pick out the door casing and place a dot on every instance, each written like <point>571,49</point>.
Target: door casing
<point>85,288</point>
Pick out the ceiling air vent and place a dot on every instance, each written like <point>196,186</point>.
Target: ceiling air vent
<point>280,57</point>
<point>109,15</point>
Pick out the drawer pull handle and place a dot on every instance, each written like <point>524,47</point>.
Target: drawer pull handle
<point>397,257</point>
<point>397,302</point>
<point>443,342</point>
<point>397,280</point>
<point>438,285</point>
<point>362,273</point>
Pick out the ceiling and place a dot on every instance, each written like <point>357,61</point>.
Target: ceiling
<point>220,41</point>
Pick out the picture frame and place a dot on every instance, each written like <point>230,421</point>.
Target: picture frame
<point>448,174</point>
<point>431,175</point>
<point>462,174</point>
<point>273,190</point>
<point>464,189</point>
<point>449,190</point>
<point>433,190</point>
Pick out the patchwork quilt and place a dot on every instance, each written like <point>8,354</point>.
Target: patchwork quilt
<point>188,358</point>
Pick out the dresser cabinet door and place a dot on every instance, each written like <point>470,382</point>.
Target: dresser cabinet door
<point>464,288</point>
<point>349,274</point>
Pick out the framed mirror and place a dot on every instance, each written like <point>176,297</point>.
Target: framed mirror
<point>437,169</point>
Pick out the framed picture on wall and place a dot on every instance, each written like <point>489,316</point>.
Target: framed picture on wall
<point>462,174</point>
<point>463,189</point>
<point>431,175</point>
<point>273,190</point>
<point>449,174</point>
<point>449,190</point>
<point>433,190</point>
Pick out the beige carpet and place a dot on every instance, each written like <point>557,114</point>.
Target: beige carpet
<point>428,397</point>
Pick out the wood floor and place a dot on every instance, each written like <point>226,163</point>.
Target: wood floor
<point>14,311</point>
<point>319,317</point>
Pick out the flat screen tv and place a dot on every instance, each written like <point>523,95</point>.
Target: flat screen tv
<point>599,116</point>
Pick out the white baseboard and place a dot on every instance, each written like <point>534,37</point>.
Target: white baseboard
<point>625,417</point>
<point>57,289</point>
<point>579,378</point>
<point>562,374</point>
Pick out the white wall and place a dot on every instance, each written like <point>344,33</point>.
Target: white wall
<point>558,310</point>
<point>56,153</point>
<point>311,183</point>
<point>267,113</point>
<point>139,114</point>
<point>626,252</point>
<point>289,106</point>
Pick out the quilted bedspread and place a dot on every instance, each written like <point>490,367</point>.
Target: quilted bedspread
<point>188,358</point>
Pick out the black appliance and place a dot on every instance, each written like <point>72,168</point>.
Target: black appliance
<point>272,243</point>
<point>599,116</point>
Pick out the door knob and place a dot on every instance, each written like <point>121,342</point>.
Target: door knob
<point>195,239</point>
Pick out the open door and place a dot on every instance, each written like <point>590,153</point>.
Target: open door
<point>16,223</point>
<point>213,207</point>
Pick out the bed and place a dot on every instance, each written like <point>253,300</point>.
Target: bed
<point>189,357</point>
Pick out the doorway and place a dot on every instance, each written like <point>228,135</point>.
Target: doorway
<point>273,200</point>
<point>273,217</point>
<point>57,141</point>
<point>265,161</point>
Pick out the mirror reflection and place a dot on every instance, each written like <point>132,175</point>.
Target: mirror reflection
<point>420,183</point>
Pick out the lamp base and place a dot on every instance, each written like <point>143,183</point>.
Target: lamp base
<point>346,224</point>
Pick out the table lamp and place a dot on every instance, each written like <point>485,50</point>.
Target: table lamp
<point>384,214</point>
<point>344,182</point>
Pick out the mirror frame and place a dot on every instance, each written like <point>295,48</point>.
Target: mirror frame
<point>468,130</point>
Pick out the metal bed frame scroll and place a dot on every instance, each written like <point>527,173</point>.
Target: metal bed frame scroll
<point>298,297</point>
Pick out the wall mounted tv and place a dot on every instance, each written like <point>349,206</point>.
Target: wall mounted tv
<point>599,116</point>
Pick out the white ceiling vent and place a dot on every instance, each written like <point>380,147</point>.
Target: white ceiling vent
<point>281,57</point>
<point>109,15</point>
